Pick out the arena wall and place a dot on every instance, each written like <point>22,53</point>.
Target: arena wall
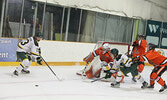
<point>59,53</point>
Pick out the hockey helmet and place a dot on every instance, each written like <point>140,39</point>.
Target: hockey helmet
<point>38,34</point>
<point>142,36</point>
<point>151,46</point>
<point>114,51</point>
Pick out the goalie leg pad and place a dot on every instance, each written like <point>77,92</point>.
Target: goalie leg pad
<point>89,73</point>
<point>97,73</point>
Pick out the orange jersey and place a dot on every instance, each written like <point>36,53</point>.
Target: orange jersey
<point>104,56</point>
<point>154,58</point>
<point>140,48</point>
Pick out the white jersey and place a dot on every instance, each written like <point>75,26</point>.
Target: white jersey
<point>30,46</point>
<point>120,61</point>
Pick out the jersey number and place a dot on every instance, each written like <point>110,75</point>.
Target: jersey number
<point>23,43</point>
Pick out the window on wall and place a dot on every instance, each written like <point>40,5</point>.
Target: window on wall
<point>141,27</point>
<point>28,16</point>
<point>88,26</point>
<point>82,25</point>
<point>73,24</point>
<point>1,1</point>
<point>39,18</point>
<point>12,18</point>
<point>52,22</point>
<point>112,28</point>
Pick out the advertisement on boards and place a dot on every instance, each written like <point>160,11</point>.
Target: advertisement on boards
<point>8,49</point>
<point>153,32</point>
<point>164,35</point>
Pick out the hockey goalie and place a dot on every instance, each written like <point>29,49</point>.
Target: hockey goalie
<point>97,63</point>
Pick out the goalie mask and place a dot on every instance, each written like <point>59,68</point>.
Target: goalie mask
<point>106,47</point>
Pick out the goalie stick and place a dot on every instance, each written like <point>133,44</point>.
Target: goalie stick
<point>51,69</point>
<point>84,70</point>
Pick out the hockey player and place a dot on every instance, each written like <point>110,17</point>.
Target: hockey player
<point>95,66</point>
<point>139,48</point>
<point>26,50</point>
<point>160,66</point>
<point>123,65</point>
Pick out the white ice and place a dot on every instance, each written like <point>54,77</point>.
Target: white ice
<point>72,87</point>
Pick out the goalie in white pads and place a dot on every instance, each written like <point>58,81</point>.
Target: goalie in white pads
<point>123,65</point>
<point>98,62</point>
<point>26,50</point>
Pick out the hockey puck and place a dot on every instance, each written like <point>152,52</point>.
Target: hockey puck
<point>36,85</point>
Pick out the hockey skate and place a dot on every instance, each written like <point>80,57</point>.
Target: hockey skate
<point>150,86</point>
<point>24,71</point>
<point>115,85</point>
<point>145,84</point>
<point>134,80</point>
<point>16,73</point>
<point>163,88</point>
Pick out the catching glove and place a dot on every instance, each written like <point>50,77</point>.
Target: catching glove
<point>39,60</point>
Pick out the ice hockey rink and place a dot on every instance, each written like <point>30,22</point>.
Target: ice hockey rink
<point>72,87</point>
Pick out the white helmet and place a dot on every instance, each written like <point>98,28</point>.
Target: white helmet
<point>106,46</point>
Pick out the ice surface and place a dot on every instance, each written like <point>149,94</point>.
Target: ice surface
<point>24,86</point>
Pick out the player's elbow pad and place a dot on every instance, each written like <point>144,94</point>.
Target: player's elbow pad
<point>134,44</point>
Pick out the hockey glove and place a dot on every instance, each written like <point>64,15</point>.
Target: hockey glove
<point>39,60</point>
<point>39,50</point>
<point>136,59</point>
<point>122,64</point>
<point>134,44</point>
<point>108,74</point>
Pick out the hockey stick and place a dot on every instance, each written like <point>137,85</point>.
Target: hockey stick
<point>51,69</point>
<point>94,80</point>
<point>97,79</point>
